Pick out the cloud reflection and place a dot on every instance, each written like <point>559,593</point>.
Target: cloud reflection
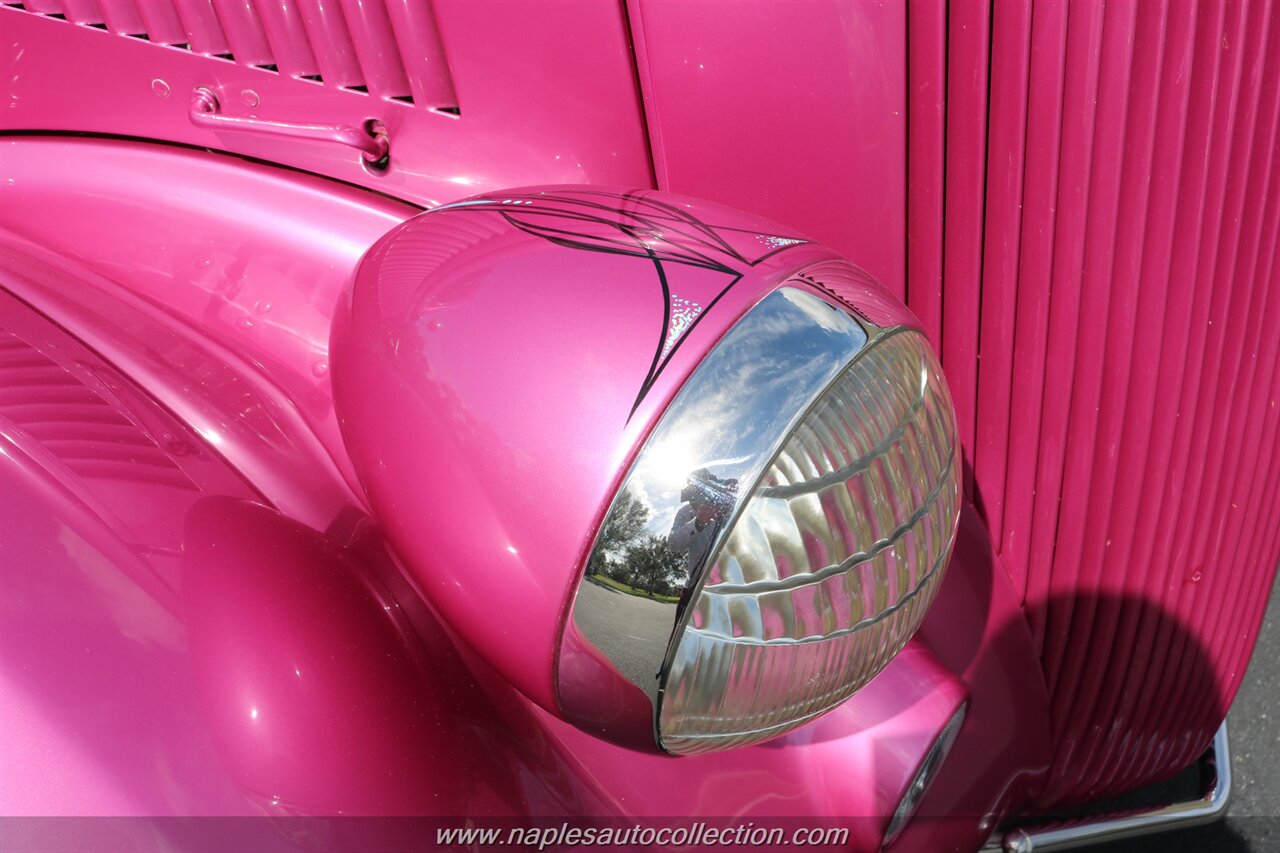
<point>742,400</point>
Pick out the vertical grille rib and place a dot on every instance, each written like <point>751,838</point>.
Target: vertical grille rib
<point>1107,321</point>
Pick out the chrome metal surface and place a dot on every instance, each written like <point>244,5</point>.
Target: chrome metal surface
<point>831,563</point>
<point>206,112</point>
<point>729,420</point>
<point>775,541</point>
<point>1206,809</point>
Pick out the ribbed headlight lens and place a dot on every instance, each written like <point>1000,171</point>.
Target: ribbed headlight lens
<point>832,562</point>
<point>779,536</point>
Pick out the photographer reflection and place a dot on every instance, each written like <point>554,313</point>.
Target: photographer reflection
<point>706,503</point>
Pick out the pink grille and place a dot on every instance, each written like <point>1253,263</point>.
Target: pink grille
<point>1092,230</point>
<point>389,49</point>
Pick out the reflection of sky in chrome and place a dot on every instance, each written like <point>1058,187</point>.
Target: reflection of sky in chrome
<point>740,403</point>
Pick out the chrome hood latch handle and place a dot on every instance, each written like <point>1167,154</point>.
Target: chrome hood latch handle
<point>206,112</point>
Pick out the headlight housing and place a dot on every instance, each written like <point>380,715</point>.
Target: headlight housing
<point>681,478</point>
<point>782,532</point>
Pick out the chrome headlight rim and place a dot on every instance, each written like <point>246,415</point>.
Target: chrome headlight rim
<point>849,335</point>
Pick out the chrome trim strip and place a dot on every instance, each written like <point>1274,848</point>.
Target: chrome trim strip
<point>1207,809</point>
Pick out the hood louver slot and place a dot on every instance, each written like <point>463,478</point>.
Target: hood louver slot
<point>390,50</point>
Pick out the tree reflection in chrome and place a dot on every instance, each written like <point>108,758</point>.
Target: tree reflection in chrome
<point>637,561</point>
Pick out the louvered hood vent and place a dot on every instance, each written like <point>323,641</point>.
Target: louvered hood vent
<point>391,50</point>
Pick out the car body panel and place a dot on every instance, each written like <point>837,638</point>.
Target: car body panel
<point>1080,203</point>
<point>545,93</point>
<point>788,110</point>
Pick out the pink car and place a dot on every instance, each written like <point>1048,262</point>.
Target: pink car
<point>400,416</point>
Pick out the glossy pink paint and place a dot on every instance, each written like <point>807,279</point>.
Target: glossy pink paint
<point>793,111</point>
<point>290,671</point>
<point>252,258</point>
<point>185,649</point>
<point>235,607</point>
<point>286,677</point>
<point>978,636</point>
<point>1107,345</point>
<point>492,466</point>
<point>545,91</point>
<point>1083,214</point>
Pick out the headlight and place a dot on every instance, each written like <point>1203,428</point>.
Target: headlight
<point>781,534</point>
<point>830,565</point>
<point>682,479</point>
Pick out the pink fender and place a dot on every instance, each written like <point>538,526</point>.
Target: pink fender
<point>274,581</point>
